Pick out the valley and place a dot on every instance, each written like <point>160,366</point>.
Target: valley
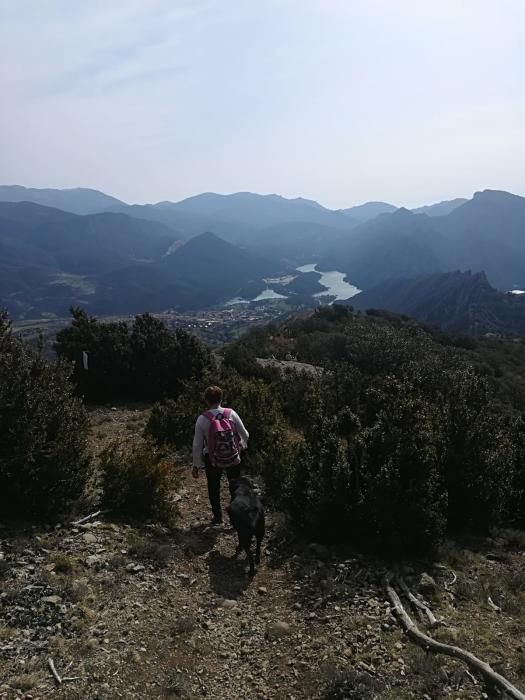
<point>208,251</point>
<point>215,326</point>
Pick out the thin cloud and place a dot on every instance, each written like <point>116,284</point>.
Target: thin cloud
<point>155,99</point>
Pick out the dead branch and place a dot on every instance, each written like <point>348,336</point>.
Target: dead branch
<point>418,603</point>
<point>57,677</point>
<point>493,605</point>
<point>88,517</point>
<point>429,644</point>
<point>472,678</point>
<point>451,583</point>
<point>53,670</point>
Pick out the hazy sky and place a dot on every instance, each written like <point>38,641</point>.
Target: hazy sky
<point>408,101</point>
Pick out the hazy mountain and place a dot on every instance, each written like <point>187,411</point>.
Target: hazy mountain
<point>205,271</point>
<point>112,263</point>
<point>369,210</point>
<point>261,211</point>
<point>184,225</point>
<point>298,242</point>
<point>487,233</point>
<point>238,217</point>
<point>210,262</point>
<point>50,259</point>
<point>484,233</point>
<point>440,208</point>
<point>79,200</point>
<point>401,244</point>
<point>47,253</point>
<point>461,302</point>
<point>37,235</point>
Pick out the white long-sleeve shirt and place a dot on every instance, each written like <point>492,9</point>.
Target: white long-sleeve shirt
<point>202,427</point>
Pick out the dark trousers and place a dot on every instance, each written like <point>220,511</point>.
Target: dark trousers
<point>214,476</point>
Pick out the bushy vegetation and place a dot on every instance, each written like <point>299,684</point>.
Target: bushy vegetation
<point>137,481</point>
<point>44,463</point>
<point>398,441</point>
<point>144,361</point>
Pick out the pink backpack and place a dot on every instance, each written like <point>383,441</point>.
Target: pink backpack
<point>223,441</point>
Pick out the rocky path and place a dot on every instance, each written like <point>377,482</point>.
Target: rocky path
<point>146,613</point>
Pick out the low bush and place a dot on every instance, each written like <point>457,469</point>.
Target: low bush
<point>172,422</point>
<point>137,481</point>
<point>44,461</point>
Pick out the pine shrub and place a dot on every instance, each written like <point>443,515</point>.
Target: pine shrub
<point>44,461</point>
<point>138,481</point>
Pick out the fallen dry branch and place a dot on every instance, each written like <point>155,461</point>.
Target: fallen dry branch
<point>59,680</point>
<point>451,583</point>
<point>418,603</point>
<point>493,605</point>
<point>91,516</point>
<point>53,670</point>
<point>429,644</point>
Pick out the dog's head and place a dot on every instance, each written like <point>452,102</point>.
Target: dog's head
<point>239,482</point>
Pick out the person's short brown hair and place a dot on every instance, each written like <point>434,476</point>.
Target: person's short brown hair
<point>213,394</point>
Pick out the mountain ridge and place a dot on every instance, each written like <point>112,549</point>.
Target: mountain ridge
<point>77,200</point>
<point>459,302</point>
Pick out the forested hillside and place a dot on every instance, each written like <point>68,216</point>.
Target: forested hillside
<point>459,302</point>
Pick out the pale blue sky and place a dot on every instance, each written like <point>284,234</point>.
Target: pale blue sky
<point>342,101</point>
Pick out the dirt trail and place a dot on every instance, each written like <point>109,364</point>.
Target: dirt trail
<point>147,613</point>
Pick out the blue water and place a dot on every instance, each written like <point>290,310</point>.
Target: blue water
<point>334,281</point>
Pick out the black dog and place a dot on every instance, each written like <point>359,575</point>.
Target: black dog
<point>247,517</point>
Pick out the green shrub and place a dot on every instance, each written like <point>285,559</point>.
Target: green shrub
<point>173,422</point>
<point>44,463</point>
<point>137,481</point>
<point>146,361</point>
<point>400,439</point>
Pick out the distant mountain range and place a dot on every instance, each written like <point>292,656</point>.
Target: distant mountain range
<point>441,208</point>
<point>79,200</point>
<point>485,233</point>
<point>369,210</point>
<point>110,262</point>
<point>94,249</point>
<point>460,302</point>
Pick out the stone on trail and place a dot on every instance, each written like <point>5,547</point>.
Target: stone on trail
<point>94,560</point>
<point>89,538</point>
<point>228,604</point>
<point>53,599</point>
<point>276,630</point>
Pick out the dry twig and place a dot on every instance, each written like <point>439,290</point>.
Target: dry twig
<point>57,677</point>
<point>91,516</point>
<point>429,644</point>
<point>493,605</point>
<point>418,603</point>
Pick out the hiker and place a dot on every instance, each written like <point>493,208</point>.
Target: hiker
<point>220,437</point>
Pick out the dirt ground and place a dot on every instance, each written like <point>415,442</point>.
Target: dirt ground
<point>146,612</point>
